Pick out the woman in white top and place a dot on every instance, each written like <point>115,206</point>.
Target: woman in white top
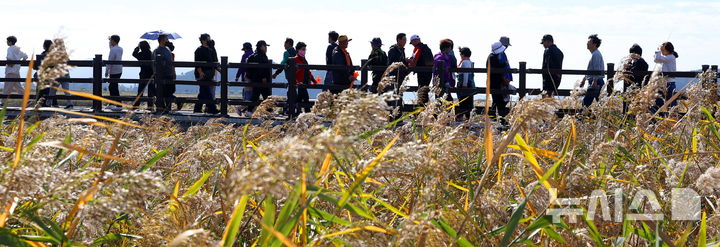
<point>666,56</point>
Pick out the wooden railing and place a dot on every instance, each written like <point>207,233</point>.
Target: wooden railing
<point>225,101</point>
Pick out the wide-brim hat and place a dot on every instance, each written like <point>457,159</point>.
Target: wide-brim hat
<point>497,48</point>
<point>344,38</point>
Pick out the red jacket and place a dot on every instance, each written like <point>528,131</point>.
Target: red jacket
<point>303,76</point>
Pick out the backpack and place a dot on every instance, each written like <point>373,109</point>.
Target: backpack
<point>426,56</point>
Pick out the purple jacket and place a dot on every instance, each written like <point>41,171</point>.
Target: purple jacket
<point>447,63</point>
<point>241,71</point>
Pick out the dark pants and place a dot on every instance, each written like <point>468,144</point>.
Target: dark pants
<point>48,102</point>
<point>465,107</point>
<point>257,92</point>
<point>424,78</point>
<point>338,91</point>
<point>206,94</point>
<point>592,94</point>
<point>551,84</point>
<point>303,98</point>
<point>150,85</point>
<point>660,101</point>
<point>376,77</point>
<point>165,97</point>
<point>113,87</point>
<point>499,106</point>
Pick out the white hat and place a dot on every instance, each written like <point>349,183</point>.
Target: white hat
<point>414,37</point>
<point>497,48</point>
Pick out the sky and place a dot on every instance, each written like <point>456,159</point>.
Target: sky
<point>86,24</point>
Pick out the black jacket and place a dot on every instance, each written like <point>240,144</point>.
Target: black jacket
<point>426,56</point>
<point>396,54</point>
<point>145,70</point>
<point>638,65</point>
<point>552,59</point>
<point>377,58</point>
<point>341,76</point>
<point>329,53</point>
<point>204,54</point>
<point>257,74</point>
<point>496,79</point>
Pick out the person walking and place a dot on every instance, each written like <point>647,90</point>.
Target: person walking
<point>466,80</point>
<point>47,47</point>
<point>143,53</point>
<point>259,75</point>
<point>446,77</point>
<point>377,57</point>
<point>169,88</point>
<point>422,57</point>
<point>666,56</point>
<point>332,40</point>
<point>14,53</point>
<point>595,82</point>
<point>396,54</point>
<point>498,81</point>
<point>47,90</point>
<point>205,74</point>
<point>241,76</point>
<point>633,71</point>
<point>342,77</point>
<point>163,71</point>
<point>552,61</point>
<point>302,77</point>
<point>289,52</point>
<point>114,71</point>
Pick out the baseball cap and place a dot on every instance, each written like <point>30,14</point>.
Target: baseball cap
<point>261,43</point>
<point>414,37</point>
<point>546,37</point>
<point>505,41</point>
<point>247,46</point>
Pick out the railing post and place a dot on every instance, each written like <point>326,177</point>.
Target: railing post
<point>224,85</point>
<point>37,80</point>
<point>610,78</point>
<point>97,82</point>
<point>290,73</point>
<point>522,77</point>
<point>705,67</point>
<point>363,73</point>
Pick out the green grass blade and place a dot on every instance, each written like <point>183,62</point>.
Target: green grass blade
<point>234,224</point>
<point>198,184</point>
<point>154,160</point>
<point>268,219</point>
<point>8,238</point>
<point>445,227</point>
<point>702,235</point>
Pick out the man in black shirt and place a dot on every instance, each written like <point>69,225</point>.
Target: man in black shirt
<point>258,75</point>
<point>396,54</point>
<point>332,39</point>
<point>552,60</point>
<point>205,74</point>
